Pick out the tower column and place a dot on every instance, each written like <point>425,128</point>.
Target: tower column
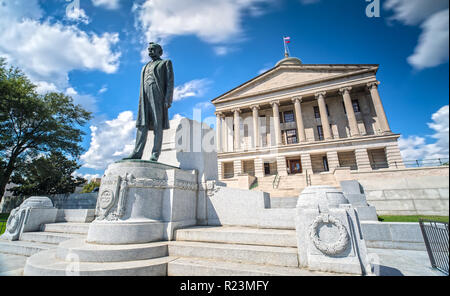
<point>353,124</point>
<point>379,109</point>
<point>219,141</point>
<point>276,119</point>
<point>237,130</point>
<point>255,111</point>
<point>299,118</point>
<point>324,115</point>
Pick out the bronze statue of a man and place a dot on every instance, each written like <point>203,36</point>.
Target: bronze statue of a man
<point>156,96</point>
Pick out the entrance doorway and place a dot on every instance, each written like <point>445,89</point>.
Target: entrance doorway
<point>295,166</point>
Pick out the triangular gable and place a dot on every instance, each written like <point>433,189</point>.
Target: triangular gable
<point>287,76</point>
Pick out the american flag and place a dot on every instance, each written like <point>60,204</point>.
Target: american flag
<point>287,39</point>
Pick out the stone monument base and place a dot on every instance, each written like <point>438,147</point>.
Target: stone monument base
<point>117,233</point>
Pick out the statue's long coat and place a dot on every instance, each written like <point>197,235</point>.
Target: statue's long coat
<point>163,73</point>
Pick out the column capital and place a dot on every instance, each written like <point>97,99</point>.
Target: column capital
<point>345,90</point>
<point>298,98</point>
<point>219,114</point>
<point>275,102</point>
<point>253,107</point>
<point>321,94</point>
<point>234,110</point>
<point>372,85</point>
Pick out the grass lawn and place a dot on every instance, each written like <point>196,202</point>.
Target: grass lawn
<point>412,218</point>
<point>3,218</point>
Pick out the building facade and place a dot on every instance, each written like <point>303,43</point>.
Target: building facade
<point>298,119</point>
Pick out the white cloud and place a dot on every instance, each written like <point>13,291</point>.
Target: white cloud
<point>433,18</point>
<point>204,105</point>
<point>414,12</point>
<point>416,147</point>
<point>47,51</point>
<point>44,87</point>
<point>89,102</point>
<point>111,140</point>
<point>103,89</point>
<point>213,21</point>
<point>77,15</point>
<point>194,88</point>
<point>433,47</point>
<point>108,4</point>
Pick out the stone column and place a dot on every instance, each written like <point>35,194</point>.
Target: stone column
<point>333,160</point>
<point>324,115</point>
<point>259,168</point>
<point>394,157</point>
<point>281,166</point>
<point>237,129</point>
<point>219,138</point>
<point>256,139</point>
<point>299,118</point>
<point>306,163</point>
<point>362,159</point>
<point>276,119</point>
<point>379,109</point>
<point>224,126</point>
<point>237,164</point>
<point>353,124</point>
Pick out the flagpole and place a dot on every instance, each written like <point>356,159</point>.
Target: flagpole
<point>286,53</point>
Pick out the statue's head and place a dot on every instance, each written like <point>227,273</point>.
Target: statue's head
<point>155,50</point>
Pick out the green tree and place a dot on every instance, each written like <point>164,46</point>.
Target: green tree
<point>52,174</point>
<point>88,188</point>
<point>31,124</point>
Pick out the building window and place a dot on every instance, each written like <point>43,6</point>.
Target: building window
<point>267,169</point>
<point>291,136</point>
<point>289,117</point>
<point>316,112</point>
<point>320,132</point>
<point>325,164</point>
<point>356,107</point>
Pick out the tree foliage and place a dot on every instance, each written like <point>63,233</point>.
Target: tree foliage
<point>52,174</point>
<point>88,188</point>
<point>31,124</point>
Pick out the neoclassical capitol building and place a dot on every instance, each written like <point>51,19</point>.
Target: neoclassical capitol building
<point>300,119</point>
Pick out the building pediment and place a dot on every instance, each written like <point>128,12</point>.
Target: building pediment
<point>287,76</point>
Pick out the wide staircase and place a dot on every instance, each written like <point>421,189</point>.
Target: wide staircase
<point>197,251</point>
<point>51,235</point>
<point>292,185</point>
<point>235,251</point>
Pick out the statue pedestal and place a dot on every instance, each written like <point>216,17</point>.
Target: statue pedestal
<point>142,202</point>
<point>329,235</point>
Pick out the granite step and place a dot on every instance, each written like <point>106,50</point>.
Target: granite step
<point>76,228</point>
<point>205,267</point>
<point>49,237</point>
<point>278,256</point>
<point>238,235</point>
<point>46,264</point>
<point>23,248</point>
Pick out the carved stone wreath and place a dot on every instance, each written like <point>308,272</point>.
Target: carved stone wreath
<point>329,248</point>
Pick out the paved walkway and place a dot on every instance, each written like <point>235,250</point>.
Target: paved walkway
<point>403,263</point>
<point>392,263</point>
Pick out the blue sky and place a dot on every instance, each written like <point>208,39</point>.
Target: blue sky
<point>94,53</point>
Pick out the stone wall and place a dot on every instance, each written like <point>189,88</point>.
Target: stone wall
<point>421,191</point>
<point>60,201</point>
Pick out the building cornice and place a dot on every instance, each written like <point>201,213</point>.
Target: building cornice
<point>228,96</point>
<point>307,145</point>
